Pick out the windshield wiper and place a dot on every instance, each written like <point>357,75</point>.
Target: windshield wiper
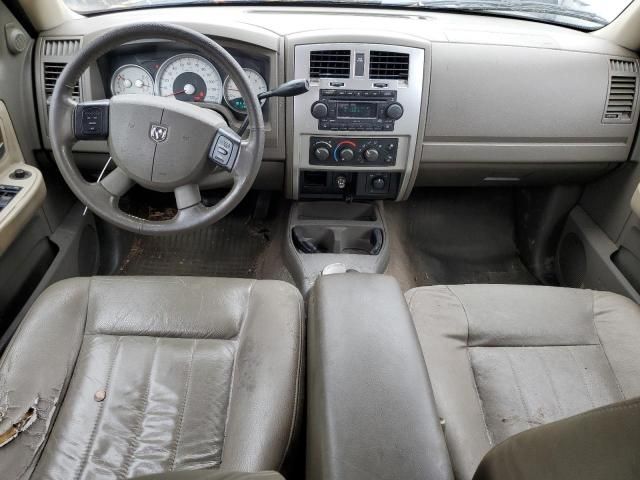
<point>501,6</point>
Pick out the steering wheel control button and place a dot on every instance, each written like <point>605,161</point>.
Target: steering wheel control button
<point>224,149</point>
<point>91,120</point>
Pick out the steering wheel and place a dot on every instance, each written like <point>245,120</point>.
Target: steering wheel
<point>159,143</point>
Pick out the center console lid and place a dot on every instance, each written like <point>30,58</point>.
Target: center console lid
<point>371,412</point>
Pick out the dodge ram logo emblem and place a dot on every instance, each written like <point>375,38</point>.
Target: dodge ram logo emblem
<point>158,133</point>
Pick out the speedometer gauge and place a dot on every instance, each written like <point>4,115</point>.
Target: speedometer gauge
<point>189,78</point>
<point>232,94</point>
<point>131,79</point>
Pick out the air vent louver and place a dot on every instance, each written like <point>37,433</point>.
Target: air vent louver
<point>330,64</point>
<point>61,48</point>
<point>621,99</point>
<point>389,65</point>
<point>627,66</point>
<point>52,71</point>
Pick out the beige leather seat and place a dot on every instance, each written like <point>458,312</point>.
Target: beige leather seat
<point>505,358</point>
<point>139,375</point>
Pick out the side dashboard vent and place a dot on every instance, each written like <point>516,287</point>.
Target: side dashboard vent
<point>621,99</point>
<point>626,66</point>
<point>51,72</point>
<point>61,48</point>
<point>389,65</point>
<point>330,64</point>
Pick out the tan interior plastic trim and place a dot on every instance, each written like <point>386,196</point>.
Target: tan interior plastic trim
<point>624,30</point>
<point>26,203</point>
<point>47,14</point>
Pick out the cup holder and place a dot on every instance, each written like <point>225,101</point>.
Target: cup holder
<point>355,240</point>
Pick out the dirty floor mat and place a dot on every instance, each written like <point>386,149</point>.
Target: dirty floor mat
<point>455,236</point>
<point>236,246</point>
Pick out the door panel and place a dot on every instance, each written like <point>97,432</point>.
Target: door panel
<point>22,189</point>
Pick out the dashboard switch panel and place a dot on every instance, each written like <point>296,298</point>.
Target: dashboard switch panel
<point>355,152</point>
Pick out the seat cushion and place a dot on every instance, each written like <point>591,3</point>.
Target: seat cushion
<point>505,358</point>
<point>138,375</point>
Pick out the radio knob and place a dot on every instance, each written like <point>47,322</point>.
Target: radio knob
<point>394,111</point>
<point>346,155</point>
<point>319,110</point>
<point>321,153</point>
<point>371,154</point>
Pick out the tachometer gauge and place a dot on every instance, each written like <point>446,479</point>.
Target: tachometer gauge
<point>232,94</point>
<point>190,78</point>
<point>131,79</point>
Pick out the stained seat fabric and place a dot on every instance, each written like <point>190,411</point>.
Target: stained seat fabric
<point>506,358</point>
<point>137,375</point>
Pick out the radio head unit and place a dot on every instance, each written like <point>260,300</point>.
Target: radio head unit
<point>357,110</point>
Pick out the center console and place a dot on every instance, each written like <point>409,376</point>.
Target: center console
<point>355,131</point>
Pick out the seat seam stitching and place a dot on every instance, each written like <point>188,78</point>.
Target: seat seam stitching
<point>174,450</point>
<point>94,431</point>
<point>547,372</point>
<point>33,465</point>
<point>296,395</point>
<point>473,375</point>
<point>238,341</point>
<point>604,350</point>
<point>145,402</point>
<point>584,378</point>
<point>519,389</point>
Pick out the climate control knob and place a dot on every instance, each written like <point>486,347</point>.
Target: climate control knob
<point>371,155</point>
<point>321,153</point>
<point>346,155</point>
<point>319,110</point>
<point>394,111</point>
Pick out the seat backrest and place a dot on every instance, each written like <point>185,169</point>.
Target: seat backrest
<point>600,443</point>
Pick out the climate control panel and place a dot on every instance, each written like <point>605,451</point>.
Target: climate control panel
<point>353,152</point>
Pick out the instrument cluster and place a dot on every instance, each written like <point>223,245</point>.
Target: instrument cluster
<point>185,76</point>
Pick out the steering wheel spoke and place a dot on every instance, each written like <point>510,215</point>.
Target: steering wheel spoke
<point>187,196</point>
<point>117,182</point>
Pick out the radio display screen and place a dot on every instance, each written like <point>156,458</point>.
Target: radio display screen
<point>357,110</point>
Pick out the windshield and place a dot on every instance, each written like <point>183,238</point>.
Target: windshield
<point>586,14</point>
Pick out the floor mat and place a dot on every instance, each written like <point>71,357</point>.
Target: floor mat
<point>237,246</point>
<point>229,248</point>
<point>455,236</point>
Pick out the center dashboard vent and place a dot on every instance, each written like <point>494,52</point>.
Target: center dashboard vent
<point>623,86</point>
<point>330,64</point>
<point>388,65</point>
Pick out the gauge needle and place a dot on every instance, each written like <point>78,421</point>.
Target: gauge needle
<point>174,93</point>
